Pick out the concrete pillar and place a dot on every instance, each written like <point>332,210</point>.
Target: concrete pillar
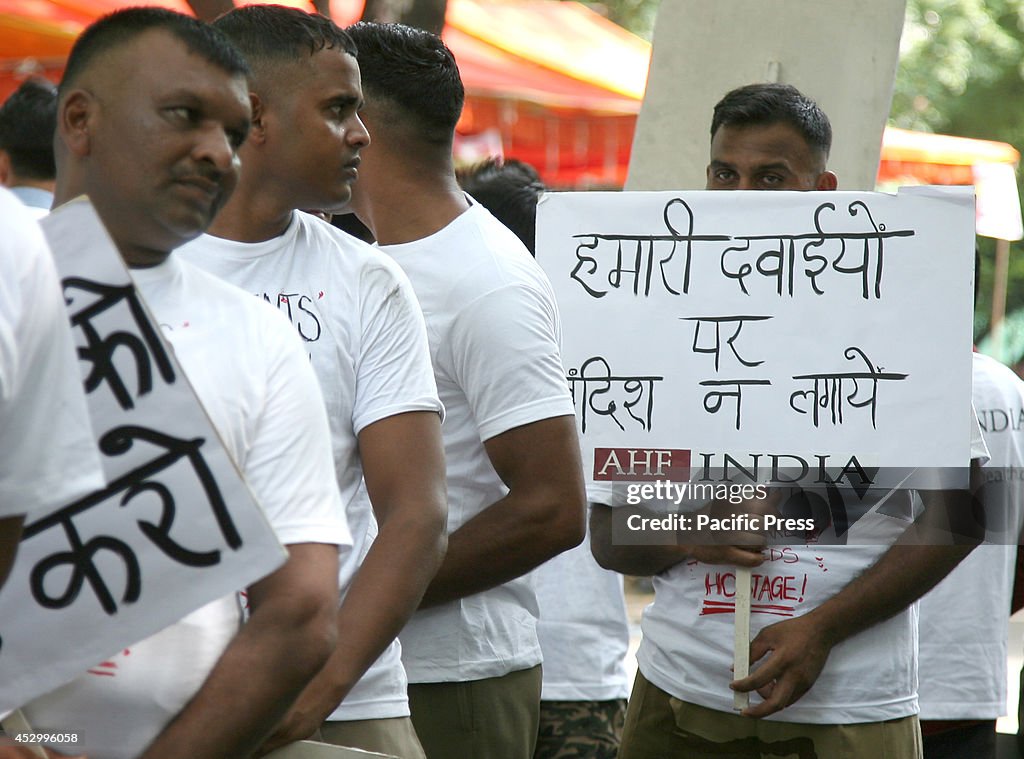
<point>841,54</point>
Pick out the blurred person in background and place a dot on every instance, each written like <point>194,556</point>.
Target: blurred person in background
<point>28,119</point>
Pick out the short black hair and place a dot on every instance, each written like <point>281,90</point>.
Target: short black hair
<point>771,103</point>
<point>28,120</point>
<point>510,190</point>
<point>413,70</point>
<point>267,34</point>
<point>123,26</point>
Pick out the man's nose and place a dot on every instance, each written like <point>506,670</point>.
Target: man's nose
<point>358,134</point>
<point>214,145</point>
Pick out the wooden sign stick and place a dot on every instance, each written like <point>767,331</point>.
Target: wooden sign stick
<point>741,644</point>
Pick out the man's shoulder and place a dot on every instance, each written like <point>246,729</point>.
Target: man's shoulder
<point>986,367</point>
<point>491,259</point>
<point>501,244</point>
<point>996,389</point>
<point>348,257</point>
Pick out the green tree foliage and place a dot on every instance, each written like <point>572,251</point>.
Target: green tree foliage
<point>961,66</point>
<point>962,73</point>
<point>635,15</point>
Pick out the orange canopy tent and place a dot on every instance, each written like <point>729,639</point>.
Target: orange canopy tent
<point>36,35</point>
<point>938,158</point>
<point>565,103</point>
<point>550,83</point>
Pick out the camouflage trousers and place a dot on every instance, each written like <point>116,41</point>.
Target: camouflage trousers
<point>580,729</point>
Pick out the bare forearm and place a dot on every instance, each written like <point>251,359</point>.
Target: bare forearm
<point>900,577</point>
<point>641,561</point>
<point>637,560</point>
<point>385,592</point>
<point>542,515</point>
<point>256,680</point>
<point>939,539</point>
<point>501,543</point>
<point>286,641</point>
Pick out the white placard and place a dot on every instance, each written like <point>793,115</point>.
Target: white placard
<point>998,201</point>
<point>176,526</point>
<point>782,329</point>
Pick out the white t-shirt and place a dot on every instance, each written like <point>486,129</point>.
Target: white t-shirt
<point>48,455</point>
<point>962,649</point>
<point>254,381</point>
<point>687,645</point>
<point>364,332</point>
<point>494,339</point>
<point>583,627</point>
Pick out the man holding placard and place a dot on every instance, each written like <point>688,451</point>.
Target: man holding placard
<point>156,152</point>
<point>855,645</point>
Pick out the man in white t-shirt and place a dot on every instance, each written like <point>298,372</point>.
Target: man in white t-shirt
<point>515,487</point>
<point>366,339</point>
<point>156,151</point>
<point>838,677</point>
<point>47,452</point>
<point>962,648</point>
<point>582,627</point>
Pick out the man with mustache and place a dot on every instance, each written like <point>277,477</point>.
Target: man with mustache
<point>152,110</point>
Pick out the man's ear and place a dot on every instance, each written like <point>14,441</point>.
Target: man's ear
<point>75,115</point>
<point>6,174</point>
<point>827,180</point>
<point>258,130</point>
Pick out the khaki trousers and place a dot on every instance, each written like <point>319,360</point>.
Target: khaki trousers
<point>494,718</point>
<point>393,736</point>
<point>661,727</point>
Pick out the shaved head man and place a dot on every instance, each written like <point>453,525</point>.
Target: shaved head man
<point>155,151</point>
<point>152,110</point>
<point>366,340</point>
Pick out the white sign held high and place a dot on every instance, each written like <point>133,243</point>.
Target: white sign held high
<point>771,330</point>
<point>175,528</point>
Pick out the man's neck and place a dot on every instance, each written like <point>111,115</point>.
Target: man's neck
<point>435,205</point>
<point>134,256</point>
<point>251,216</point>
<point>141,258</point>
